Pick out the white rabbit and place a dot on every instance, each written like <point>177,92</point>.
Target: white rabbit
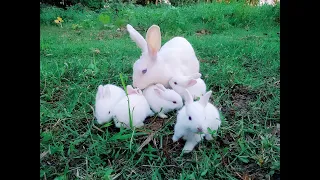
<point>193,83</point>
<point>106,98</point>
<point>139,109</point>
<point>194,118</point>
<point>162,99</point>
<point>155,65</point>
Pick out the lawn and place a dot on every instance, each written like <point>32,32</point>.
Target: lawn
<point>238,48</point>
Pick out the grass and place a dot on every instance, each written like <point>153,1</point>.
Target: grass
<point>239,52</point>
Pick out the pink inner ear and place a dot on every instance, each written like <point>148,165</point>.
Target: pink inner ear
<point>153,38</point>
<point>160,86</point>
<point>152,52</point>
<point>158,92</point>
<point>132,91</point>
<point>191,82</point>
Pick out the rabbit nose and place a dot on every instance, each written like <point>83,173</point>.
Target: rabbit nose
<point>199,129</point>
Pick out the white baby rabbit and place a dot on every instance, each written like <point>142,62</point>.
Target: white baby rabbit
<point>155,65</point>
<point>162,99</point>
<point>106,98</point>
<point>194,118</point>
<point>193,83</point>
<point>139,109</point>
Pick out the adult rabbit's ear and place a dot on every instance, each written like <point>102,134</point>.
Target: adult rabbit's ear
<point>137,38</point>
<point>153,39</point>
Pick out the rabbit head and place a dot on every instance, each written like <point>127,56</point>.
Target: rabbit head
<point>142,68</point>
<point>103,107</point>
<point>180,83</point>
<point>194,117</point>
<point>174,99</point>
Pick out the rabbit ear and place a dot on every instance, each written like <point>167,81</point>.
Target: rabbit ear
<point>137,38</point>
<point>158,92</point>
<point>205,99</point>
<point>153,39</point>
<point>195,76</point>
<point>187,96</point>
<point>107,91</point>
<point>139,91</point>
<point>130,90</point>
<point>100,91</point>
<point>191,82</point>
<point>160,86</point>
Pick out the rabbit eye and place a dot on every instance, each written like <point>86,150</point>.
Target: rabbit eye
<point>190,118</point>
<point>174,102</point>
<point>144,71</point>
<point>175,83</point>
<point>109,112</point>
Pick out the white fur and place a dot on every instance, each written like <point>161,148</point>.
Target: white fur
<point>139,109</point>
<point>162,99</point>
<point>193,83</point>
<point>268,2</point>
<point>203,116</point>
<point>106,98</point>
<point>176,57</point>
<point>166,2</point>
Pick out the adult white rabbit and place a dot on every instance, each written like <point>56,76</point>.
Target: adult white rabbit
<point>155,65</point>
<point>194,118</point>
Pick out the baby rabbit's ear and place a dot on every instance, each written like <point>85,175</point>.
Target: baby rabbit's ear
<point>139,91</point>
<point>187,96</point>
<point>106,92</point>
<point>103,91</point>
<point>159,92</point>
<point>195,76</point>
<point>191,82</point>
<point>100,91</point>
<point>130,90</point>
<point>160,86</point>
<point>205,99</point>
<point>153,38</point>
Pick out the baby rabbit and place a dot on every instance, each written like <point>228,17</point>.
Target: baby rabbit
<point>162,99</point>
<point>193,83</point>
<point>139,109</point>
<point>106,98</point>
<point>194,118</point>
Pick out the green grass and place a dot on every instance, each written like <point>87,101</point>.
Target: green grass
<point>240,63</point>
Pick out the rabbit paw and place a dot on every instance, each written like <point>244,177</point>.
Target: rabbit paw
<point>175,138</point>
<point>186,151</point>
<point>162,115</point>
<point>209,137</point>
